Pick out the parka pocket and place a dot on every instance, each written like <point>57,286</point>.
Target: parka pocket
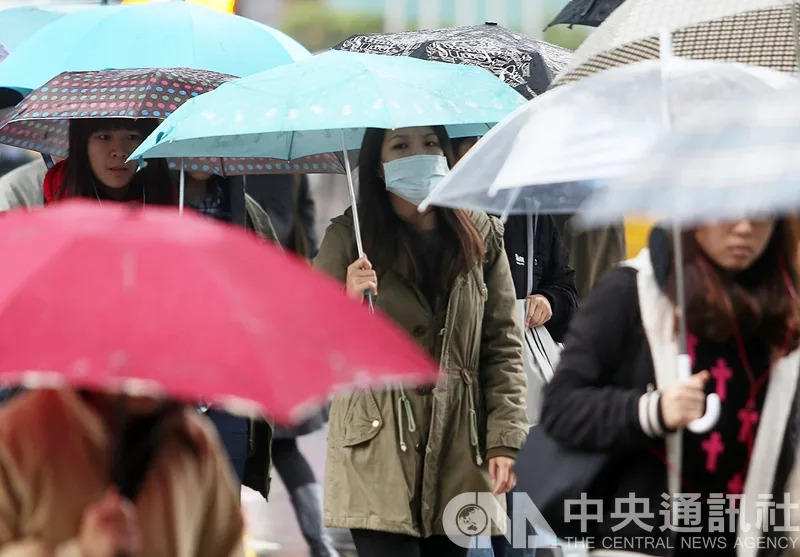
<point>363,420</point>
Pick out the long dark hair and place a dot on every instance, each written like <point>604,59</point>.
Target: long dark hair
<point>387,238</point>
<point>79,180</point>
<point>760,301</point>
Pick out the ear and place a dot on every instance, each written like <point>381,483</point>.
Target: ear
<point>380,171</point>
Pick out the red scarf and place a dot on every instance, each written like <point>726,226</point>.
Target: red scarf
<point>53,181</point>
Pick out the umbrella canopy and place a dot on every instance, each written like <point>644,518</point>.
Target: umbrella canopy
<point>156,35</point>
<point>741,158</point>
<point>323,104</point>
<point>41,121</point>
<point>585,12</point>
<point>556,150</point>
<point>758,32</point>
<point>149,302</point>
<point>18,24</point>
<point>526,64</point>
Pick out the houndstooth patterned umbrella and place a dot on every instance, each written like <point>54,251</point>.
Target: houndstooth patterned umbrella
<point>742,158</point>
<point>757,32</point>
<point>526,64</point>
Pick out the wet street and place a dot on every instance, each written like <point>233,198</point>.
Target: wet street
<point>272,527</point>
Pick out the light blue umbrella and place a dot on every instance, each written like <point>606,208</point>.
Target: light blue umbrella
<point>17,24</point>
<point>155,35</point>
<point>305,108</point>
<point>323,104</point>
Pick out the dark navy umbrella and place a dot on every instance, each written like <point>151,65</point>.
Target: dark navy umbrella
<point>585,12</point>
<point>525,63</point>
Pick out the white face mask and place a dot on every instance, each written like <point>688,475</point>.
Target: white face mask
<point>413,178</point>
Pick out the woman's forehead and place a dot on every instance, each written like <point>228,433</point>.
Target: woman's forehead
<point>111,129</point>
<point>411,132</point>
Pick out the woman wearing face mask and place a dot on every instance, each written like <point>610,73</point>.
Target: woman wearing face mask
<point>616,389</point>
<point>97,167</point>
<point>397,457</point>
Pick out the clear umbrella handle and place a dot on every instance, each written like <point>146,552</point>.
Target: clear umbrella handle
<point>713,402</point>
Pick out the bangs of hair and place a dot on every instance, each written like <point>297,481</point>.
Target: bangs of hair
<point>387,238</point>
<point>92,125</point>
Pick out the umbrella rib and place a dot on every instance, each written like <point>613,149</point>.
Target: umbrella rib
<point>291,146</point>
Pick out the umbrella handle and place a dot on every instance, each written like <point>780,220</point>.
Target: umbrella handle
<point>713,402</point>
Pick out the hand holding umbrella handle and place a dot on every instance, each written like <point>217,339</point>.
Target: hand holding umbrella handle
<point>713,402</point>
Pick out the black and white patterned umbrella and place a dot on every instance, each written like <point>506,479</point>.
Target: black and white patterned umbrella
<point>756,32</point>
<point>585,12</point>
<point>527,64</point>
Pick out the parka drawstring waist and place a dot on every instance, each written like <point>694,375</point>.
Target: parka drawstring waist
<point>473,418</point>
<point>405,418</point>
<point>404,406</point>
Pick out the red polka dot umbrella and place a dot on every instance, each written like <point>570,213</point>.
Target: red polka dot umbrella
<point>41,121</point>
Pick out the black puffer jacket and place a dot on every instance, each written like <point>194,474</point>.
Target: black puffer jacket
<point>552,276</point>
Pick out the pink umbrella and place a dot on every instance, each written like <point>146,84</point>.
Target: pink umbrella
<point>147,301</point>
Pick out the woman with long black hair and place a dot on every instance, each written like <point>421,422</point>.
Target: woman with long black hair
<point>397,457</point>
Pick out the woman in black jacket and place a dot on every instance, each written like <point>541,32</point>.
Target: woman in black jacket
<point>539,263</point>
<point>616,391</point>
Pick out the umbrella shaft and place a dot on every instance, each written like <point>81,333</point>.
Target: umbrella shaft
<point>680,288</point>
<point>353,201</point>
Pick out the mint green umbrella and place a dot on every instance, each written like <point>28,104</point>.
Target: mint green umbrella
<point>154,35</point>
<point>323,104</point>
<point>305,108</point>
<point>17,24</point>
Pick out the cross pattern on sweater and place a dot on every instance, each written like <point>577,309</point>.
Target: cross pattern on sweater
<point>748,418</point>
<point>722,373</point>
<point>713,447</point>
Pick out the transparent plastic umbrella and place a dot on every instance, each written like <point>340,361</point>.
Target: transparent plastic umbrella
<point>553,152</point>
<point>580,137</point>
<point>740,158</point>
